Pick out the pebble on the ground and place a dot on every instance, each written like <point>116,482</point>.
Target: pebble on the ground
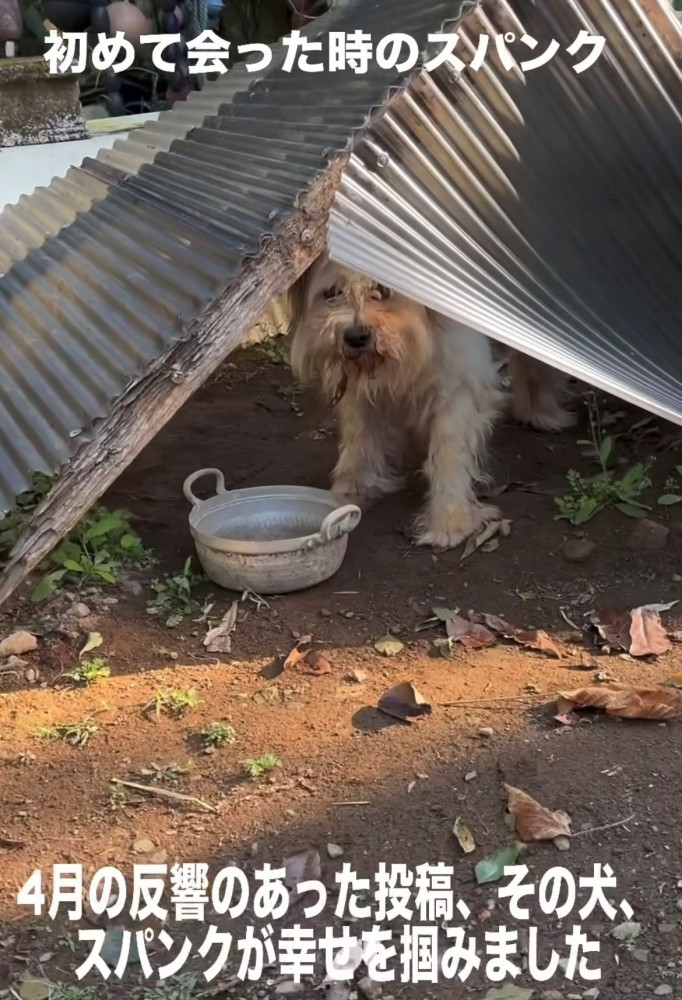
<point>648,536</point>
<point>17,644</point>
<point>577,550</point>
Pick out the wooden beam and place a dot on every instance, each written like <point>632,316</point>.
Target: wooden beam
<point>139,415</point>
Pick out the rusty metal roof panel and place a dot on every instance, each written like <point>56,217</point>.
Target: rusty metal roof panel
<point>104,270</point>
<point>541,208</point>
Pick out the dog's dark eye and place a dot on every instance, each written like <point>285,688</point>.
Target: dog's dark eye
<point>332,293</point>
<point>381,292</point>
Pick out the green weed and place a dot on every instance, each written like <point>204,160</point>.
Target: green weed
<point>173,702</point>
<point>89,671</point>
<point>218,734</point>
<point>174,598</point>
<point>258,767</point>
<point>100,544</point>
<point>75,733</point>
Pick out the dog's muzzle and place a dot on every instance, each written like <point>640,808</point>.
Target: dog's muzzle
<point>357,340</point>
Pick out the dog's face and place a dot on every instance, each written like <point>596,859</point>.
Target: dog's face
<point>353,332</point>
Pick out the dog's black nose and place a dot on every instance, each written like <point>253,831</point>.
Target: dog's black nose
<point>357,337</point>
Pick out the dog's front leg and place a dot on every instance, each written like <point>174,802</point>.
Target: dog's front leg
<point>458,433</point>
<point>368,452</point>
<point>537,394</point>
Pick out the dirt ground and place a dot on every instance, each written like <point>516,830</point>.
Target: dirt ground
<point>381,791</point>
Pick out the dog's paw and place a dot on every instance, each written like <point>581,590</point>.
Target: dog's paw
<point>364,494</point>
<point>550,417</point>
<point>448,527</point>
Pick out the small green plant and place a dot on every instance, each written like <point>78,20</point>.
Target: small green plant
<point>671,489</point>
<point>118,799</point>
<point>89,671</point>
<point>258,767</point>
<point>62,991</point>
<point>218,734</point>
<point>14,522</point>
<point>183,988</point>
<point>174,598</point>
<point>173,702</point>
<point>167,774</point>
<point>274,350</point>
<point>75,733</point>
<point>96,549</point>
<point>588,496</point>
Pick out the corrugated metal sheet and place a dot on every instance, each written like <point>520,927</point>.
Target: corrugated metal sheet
<point>104,270</point>
<point>544,209</point>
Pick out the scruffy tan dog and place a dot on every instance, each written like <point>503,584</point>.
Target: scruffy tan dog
<point>400,373</point>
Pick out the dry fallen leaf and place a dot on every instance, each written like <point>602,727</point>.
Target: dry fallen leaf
<point>295,656</point>
<point>485,536</point>
<point>219,639</point>
<point>625,702</point>
<point>464,837</point>
<point>316,663</point>
<point>404,702</point>
<point>93,641</point>
<point>533,821</point>
<point>535,639</point>
<point>469,634</point>
<point>302,867</point>
<point>493,622</point>
<point>648,637</point>
<point>532,638</point>
<point>638,632</point>
<point>388,646</point>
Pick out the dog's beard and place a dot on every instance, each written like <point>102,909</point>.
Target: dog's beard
<point>363,363</point>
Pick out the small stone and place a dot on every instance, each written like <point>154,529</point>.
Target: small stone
<point>17,644</point>
<point>663,991</point>
<point>30,675</point>
<point>470,776</point>
<point>334,851</point>
<point>110,601</point>
<point>143,846</point>
<point>562,843</point>
<point>640,955</point>
<point>15,663</point>
<point>677,578</point>
<point>349,614</point>
<point>158,857</point>
<point>486,732</point>
<point>80,610</point>
<point>357,676</point>
<point>648,536</point>
<point>289,988</point>
<point>678,904</point>
<point>667,928</point>
<point>577,550</point>
<point>551,995</point>
<point>627,931</point>
<point>325,612</point>
<point>591,994</point>
<point>46,957</point>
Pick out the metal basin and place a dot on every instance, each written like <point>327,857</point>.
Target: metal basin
<point>269,539</point>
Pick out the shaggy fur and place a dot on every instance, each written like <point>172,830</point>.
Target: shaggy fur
<point>399,373</point>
